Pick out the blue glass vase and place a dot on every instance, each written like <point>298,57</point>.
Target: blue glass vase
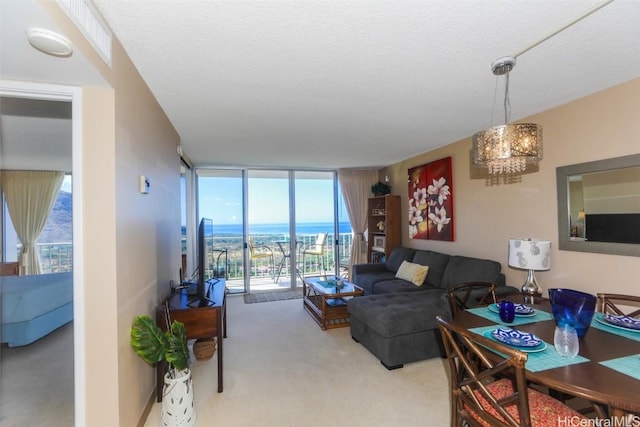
<point>572,308</point>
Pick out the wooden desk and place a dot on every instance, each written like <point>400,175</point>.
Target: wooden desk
<point>204,321</point>
<point>589,380</point>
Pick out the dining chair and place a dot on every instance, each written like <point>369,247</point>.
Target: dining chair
<point>259,251</point>
<point>317,250</point>
<point>471,294</point>
<point>609,304</point>
<point>488,385</point>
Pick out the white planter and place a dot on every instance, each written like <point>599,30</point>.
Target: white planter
<point>177,400</point>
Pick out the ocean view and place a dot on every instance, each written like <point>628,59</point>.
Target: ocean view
<point>308,228</point>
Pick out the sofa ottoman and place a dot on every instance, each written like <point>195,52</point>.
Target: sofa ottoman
<point>396,318</point>
<point>399,328</point>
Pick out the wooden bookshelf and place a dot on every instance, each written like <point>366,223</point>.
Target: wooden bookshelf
<point>383,212</point>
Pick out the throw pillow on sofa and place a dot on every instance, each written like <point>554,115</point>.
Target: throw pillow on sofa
<point>399,254</point>
<point>414,273</point>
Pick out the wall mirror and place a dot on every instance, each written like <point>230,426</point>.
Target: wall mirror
<point>599,206</point>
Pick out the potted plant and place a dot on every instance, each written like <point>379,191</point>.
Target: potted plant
<point>380,188</point>
<point>155,346</point>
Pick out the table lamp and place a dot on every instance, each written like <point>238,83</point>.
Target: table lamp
<point>531,255</point>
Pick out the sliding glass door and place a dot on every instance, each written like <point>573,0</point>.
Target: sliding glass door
<point>220,197</point>
<point>269,230</point>
<point>315,202</point>
<point>273,227</point>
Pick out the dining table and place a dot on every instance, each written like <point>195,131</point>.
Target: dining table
<point>606,370</point>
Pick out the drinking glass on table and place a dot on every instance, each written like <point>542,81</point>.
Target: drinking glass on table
<point>565,340</point>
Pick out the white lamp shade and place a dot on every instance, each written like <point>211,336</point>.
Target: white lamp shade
<point>530,254</point>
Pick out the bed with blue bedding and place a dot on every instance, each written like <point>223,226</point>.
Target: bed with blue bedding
<point>34,306</point>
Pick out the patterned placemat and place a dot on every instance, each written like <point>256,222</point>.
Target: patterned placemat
<point>628,365</point>
<point>541,360</point>
<point>519,320</point>
<point>614,330</point>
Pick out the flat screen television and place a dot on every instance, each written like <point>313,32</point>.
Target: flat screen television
<point>205,259</point>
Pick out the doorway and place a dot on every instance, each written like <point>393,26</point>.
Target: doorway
<point>38,92</point>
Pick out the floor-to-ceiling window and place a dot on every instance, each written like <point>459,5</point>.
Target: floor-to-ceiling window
<point>316,221</point>
<point>274,226</point>
<point>220,197</point>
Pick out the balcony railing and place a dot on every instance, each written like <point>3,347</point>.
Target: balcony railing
<point>54,257</point>
<point>233,245</point>
<point>58,257</point>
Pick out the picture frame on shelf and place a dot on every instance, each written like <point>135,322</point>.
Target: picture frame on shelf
<point>378,242</point>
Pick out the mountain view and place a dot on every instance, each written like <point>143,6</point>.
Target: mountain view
<point>59,226</point>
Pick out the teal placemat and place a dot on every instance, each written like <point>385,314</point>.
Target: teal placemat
<point>612,329</point>
<point>628,365</point>
<point>541,360</point>
<point>519,320</point>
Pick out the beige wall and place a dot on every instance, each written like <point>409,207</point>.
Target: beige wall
<point>99,249</point>
<point>131,242</point>
<point>599,126</point>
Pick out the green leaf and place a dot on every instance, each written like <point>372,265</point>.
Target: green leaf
<point>147,340</point>
<point>177,351</point>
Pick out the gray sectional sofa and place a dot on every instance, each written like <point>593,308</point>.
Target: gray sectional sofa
<point>396,319</point>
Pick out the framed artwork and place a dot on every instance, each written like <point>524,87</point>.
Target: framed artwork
<point>378,241</point>
<point>431,201</point>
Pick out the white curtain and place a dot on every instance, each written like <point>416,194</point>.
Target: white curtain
<point>356,190</point>
<point>30,196</point>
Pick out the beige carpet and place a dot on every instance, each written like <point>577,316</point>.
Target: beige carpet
<point>36,382</point>
<point>281,369</point>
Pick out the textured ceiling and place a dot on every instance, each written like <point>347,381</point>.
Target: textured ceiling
<point>362,83</point>
<point>36,134</point>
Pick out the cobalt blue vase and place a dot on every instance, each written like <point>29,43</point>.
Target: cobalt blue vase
<point>572,308</point>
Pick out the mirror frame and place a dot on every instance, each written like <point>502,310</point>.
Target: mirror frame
<point>562,181</point>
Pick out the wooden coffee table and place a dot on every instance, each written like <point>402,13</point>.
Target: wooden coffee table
<point>325,303</point>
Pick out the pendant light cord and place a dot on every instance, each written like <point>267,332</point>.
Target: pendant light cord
<point>507,103</point>
<point>578,19</point>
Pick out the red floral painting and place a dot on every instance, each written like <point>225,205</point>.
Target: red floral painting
<point>431,201</point>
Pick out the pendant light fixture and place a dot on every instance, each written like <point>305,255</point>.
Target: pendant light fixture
<point>507,149</point>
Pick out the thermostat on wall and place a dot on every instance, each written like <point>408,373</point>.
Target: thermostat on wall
<point>144,184</point>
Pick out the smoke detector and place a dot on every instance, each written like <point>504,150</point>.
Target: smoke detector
<point>49,42</point>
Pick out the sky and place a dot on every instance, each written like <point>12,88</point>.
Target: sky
<point>66,184</point>
<point>221,200</point>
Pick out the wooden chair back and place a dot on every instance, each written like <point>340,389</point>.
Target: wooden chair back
<point>475,362</point>
<point>471,294</point>
<point>610,304</point>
